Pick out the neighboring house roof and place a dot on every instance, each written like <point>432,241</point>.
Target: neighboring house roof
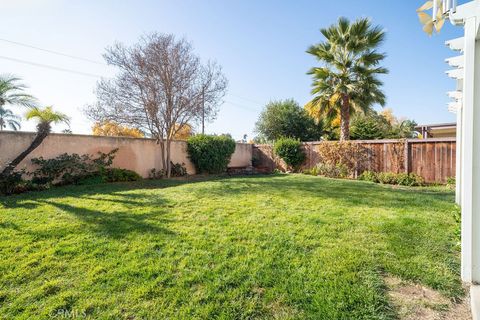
<point>437,130</point>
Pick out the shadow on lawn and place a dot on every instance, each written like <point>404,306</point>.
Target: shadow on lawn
<point>138,213</point>
<point>117,224</point>
<point>345,192</point>
<point>30,200</point>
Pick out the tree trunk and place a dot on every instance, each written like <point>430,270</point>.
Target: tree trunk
<point>169,166</point>
<point>345,119</point>
<point>161,142</point>
<point>41,135</point>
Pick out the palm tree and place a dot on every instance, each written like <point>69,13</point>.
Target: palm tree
<point>8,118</point>
<point>12,92</point>
<point>45,118</point>
<point>347,82</point>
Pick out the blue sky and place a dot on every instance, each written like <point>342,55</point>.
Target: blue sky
<point>260,44</point>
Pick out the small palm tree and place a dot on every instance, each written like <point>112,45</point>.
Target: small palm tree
<point>8,118</point>
<point>347,82</point>
<point>45,118</point>
<point>12,92</point>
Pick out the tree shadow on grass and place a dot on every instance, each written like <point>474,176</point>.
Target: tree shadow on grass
<point>116,224</point>
<point>126,215</point>
<point>345,192</point>
<point>31,200</point>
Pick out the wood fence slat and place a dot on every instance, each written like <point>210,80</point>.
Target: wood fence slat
<point>433,159</point>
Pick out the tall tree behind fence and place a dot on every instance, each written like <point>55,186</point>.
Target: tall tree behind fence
<point>433,159</point>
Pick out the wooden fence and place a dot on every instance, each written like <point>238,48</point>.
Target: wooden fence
<point>433,159</point>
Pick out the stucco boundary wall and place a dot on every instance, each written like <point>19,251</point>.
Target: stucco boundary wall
<point>137,154</point>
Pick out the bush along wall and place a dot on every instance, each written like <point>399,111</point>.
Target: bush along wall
<point>290,150</point>
<point>210,153</point>
<point>403,179</point>
<point>67,169</point>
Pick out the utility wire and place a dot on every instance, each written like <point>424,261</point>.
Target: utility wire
<point>241,106</point>
<point>243,98</point>
<point>52,67</point>
<point>52,51</point>
<point>85,73</point>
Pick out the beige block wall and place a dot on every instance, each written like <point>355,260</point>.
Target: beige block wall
<point>139,155</point>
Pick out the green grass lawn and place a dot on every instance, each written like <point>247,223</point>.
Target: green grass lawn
<point>283,246</point>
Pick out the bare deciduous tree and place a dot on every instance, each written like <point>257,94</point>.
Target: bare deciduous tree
<point>162,86</point>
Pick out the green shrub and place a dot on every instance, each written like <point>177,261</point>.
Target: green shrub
<point>11,183</point>
<point>14,183</point>
<point>119,175</point>
<point>178,170</point>
<point>387,178</point>
<point>210,154</point>
<point>313,171</point>
<point>410,179</point>
<point>69,168</point>
<point>332,171</point>
<point>156,174</point>
<point>290,150</point>
<point>451,182</point>
<point>404,179</point>
<point>368,176</point>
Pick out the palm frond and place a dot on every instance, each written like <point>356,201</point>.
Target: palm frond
<point>12,92</point>
<point>14,125</point>
<point>47,115</point>
<point>351,64</point>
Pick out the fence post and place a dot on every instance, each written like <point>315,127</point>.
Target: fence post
<point>406,157</point>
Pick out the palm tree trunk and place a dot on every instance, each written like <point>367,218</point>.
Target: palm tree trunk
<point>345,119</point>
<point>41,135</point>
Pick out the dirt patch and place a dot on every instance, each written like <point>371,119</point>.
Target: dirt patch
<point>416,302</point>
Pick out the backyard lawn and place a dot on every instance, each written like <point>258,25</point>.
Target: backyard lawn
<point>281,246</point>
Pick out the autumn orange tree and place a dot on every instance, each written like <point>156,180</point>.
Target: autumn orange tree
<point>111,128</point>
<point>183,133</point>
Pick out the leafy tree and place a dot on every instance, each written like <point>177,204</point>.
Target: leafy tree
<point>183,133</point>
<point>331,127</point>
<point>111,128</point>
<point>403,129</point>
<point>286,119</point>
<point>12,92</point>
<point>385,124</point>
<point>45,117</point>
<point>8,118</point>
<point>369,126</point>
<point>347,82</point>
<point>399,128</point>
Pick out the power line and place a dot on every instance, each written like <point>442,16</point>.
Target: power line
<point>51,67</point>
<point>246,99</point>
<point>53,52</point>
<point>241,106</point>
